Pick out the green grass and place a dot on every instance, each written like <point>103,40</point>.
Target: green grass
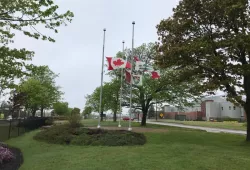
<point>180,149</point>
<point>223,125</point>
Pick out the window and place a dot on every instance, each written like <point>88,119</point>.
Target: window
<point>234,108</point>
<point>229,107</point>
<point>221,108</point>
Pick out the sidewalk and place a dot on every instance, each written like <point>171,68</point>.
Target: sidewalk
<point>213,130</point>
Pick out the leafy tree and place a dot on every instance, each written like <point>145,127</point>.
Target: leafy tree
<point>165,89</point>
<point>61,108</point>
<point>34,90</point>
<point>47,78</point>
<point>23,16</point>
<point>75,111</point>
<point>87,111</point>
<point>210,40</point>
<point>70,110</point>
<point>110,99</point>
<point>41,89</point>
<point>16,101</point>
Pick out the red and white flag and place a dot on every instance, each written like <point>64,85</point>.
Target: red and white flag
<point>116,63</point>
<point>137,79</point>
<point>128,76</point>
<point>155,75</point>
<point>136,58</point>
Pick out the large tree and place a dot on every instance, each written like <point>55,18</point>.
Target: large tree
<point>110,99</point>
<point>61,108</point>
<point>41,89</point>
<point>156,91</point>
<point>34,90</point>
<point>23,16</point>
<point>210,39</point>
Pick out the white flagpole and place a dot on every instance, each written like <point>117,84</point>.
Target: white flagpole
<point>121,89</point>
<point>100,106</point>
<point>131,80</point>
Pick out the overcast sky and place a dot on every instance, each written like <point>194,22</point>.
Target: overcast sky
<point>77,53</point>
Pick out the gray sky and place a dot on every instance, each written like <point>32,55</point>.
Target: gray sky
<point>77,53</point>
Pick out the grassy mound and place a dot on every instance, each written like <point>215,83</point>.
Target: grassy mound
<point>64,134</point>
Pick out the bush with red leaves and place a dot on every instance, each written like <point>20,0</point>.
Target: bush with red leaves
<point>5,155</point>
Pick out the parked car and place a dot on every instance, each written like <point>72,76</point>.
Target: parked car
<point>127,118</point>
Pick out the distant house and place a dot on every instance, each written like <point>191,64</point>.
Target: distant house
<point>213,107</point>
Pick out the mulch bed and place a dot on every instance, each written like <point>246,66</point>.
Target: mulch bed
<point>134,129</point>
<point>15,163</point>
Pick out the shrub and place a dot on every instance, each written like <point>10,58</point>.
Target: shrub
<point>65,134</point>
<point>60,118</point>
<point>5,155</point>
<point>75,121</point>
<point>33,123</point>
<point>49,122</point>
<point>75,111</point>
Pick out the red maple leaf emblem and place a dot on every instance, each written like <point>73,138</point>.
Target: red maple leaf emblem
<point>155,75</point>
<point>118,62</point>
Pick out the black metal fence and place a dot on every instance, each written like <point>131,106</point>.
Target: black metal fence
<point>17,127</point>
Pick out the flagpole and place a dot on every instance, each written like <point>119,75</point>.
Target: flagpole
<point>100,105</point>
<point>131,80</point>
<point>121,89</point>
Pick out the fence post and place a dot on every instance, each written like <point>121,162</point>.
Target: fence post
<point>9,129</point>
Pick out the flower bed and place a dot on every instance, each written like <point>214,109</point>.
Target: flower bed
<point>10,158</point>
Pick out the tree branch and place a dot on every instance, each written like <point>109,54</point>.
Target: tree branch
<point>27,20</point>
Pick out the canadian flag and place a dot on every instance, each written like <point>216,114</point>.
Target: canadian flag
<point>116,63</point>
<point>155,75</point>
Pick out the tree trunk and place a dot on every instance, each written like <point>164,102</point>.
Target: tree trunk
<point>114,118</point>
<point>42,112</point>
<point>33,113</point>
<point>144,117</point>
<point>247,110</point>
<point>101,116</point>
<point>247,104</point>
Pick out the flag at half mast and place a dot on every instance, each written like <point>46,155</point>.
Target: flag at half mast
<point>116,63</point>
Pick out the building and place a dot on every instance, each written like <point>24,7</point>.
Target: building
<point>213,107</point>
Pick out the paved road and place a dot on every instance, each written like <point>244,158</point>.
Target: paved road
<point>213,130</point>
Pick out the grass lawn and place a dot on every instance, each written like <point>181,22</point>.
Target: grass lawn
<point>176,149</point>
<point>223,125</point>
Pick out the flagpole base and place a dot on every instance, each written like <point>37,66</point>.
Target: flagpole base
<point>130,129</point>
<point>98,126</point>
<point>119,126</point>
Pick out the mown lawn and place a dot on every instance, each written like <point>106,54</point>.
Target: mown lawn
<point>223,125</point>
<point>176,149</point>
